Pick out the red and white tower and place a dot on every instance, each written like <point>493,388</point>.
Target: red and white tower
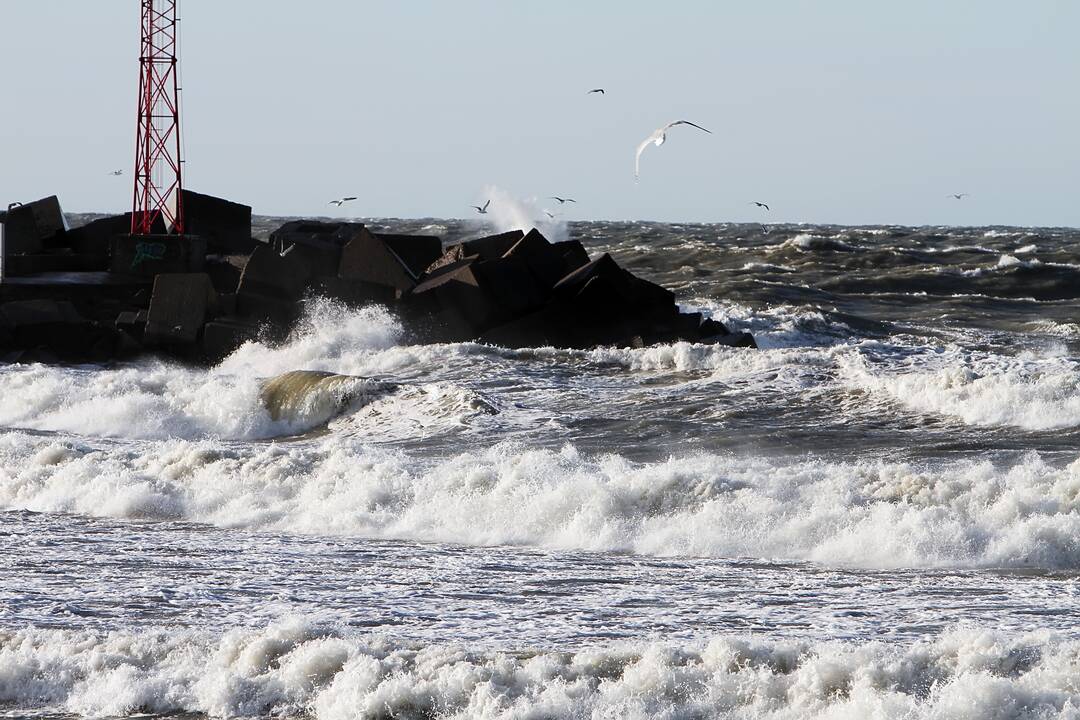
<point>157,140</point>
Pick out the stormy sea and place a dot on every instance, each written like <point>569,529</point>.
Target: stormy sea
<point>874,514</point>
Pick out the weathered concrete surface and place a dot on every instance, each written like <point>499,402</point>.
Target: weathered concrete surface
<point>149,255</point>
<point>178,309</point>
<point>225,225</point>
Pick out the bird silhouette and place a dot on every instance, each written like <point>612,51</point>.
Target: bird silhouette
<point>482,210</point>
<point>596,90</point>
<point>340,201</point>
<point>759,204</point>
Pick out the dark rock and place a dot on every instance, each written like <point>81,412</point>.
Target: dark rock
<point>226,225</point>
<point>31,227</point>
<point>178,308</point>
<point>149,255</point>
<point>224,335</point>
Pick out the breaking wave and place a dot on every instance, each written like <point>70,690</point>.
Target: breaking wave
<point>872,513</point>
<point>298,669</point>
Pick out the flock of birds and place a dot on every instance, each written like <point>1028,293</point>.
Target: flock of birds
<point>657,138</point>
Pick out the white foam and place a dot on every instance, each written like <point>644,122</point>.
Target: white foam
<point>508,212</point>
<point>861,513</point>
<point>1033,392</point>
<point>298,669</point>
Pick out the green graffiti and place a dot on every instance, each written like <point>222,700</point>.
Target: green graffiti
<point>147,251</point>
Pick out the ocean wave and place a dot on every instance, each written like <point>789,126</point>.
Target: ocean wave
<point>296,668</point>
<point>1027,391</point>
<point>875,514</point>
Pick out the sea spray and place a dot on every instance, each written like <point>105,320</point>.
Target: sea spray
<point>508,212</point>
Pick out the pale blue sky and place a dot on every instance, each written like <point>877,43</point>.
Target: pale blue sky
<point>832,111</point>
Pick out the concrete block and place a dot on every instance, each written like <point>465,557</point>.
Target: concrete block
<point>485,248</point>
<point>224,335</point>
<point>28,228</point>
<point>543,259</point>
<point>178,308</point>
<point>573,254</point>
<point>226,225</point>
<point>416,252</point>
<point>368,258</point>
<point>149,255</point>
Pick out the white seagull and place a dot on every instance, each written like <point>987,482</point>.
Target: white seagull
<point>481,210</point>
<point>340,201</point>
<point>117,172</point>
<point>657,139</point>
<point>958,196</point>
<point>562,201</point>
<point>596,90</point>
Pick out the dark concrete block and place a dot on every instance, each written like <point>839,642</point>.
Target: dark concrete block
<point>543,259</point>
<point>149,255</point>
<point>225,271</point>
<point>368,258</point>
<point>56,330</point>
<point>485,248</point>
<point>474,295</point>
<point>315,234</point>
<point>28,228</point>
<point>132,323</point>
<point>416,252</point>
<point>354,292</point>
<point>95,237</point>
<point>223,336</point>
<point>226,225</point>
<point>178,308</point>
<point>710,327</point>
<point>272,283</point>
<point>55,262</point>
<point>573,254</point>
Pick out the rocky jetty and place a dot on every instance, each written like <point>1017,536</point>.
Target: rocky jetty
<point>96,293</point>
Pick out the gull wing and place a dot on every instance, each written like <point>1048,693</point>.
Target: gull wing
<point>640,149</point>
<point>685,122</point>
<point>487,203</point>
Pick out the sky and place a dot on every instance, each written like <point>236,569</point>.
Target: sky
<point>839,111</point>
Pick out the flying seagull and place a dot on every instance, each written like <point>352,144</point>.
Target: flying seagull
<point>481,210</point>
<point>596,90</point>
<point>550,214</point>
<point>657,139</point>
<point>958,196</point>
<point>562,201</point>
<point>764,230</point>
<point>759,204</point>
<point>341,201</point>
<point>117,172</point>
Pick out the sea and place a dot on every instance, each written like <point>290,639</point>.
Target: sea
<point>874,514</point>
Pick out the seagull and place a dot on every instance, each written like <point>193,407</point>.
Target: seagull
<point>481,210</point>
<point>562,201</point>
<point>596,90</point>
<point>657,138</point>
<point>759,204</point>
<point>550,214</point>
<point>117,172</point>
<point>958,196</point>
<point>764,230</point>
<point>340,201</point>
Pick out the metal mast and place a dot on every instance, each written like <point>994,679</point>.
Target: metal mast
<point>157,136</point>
